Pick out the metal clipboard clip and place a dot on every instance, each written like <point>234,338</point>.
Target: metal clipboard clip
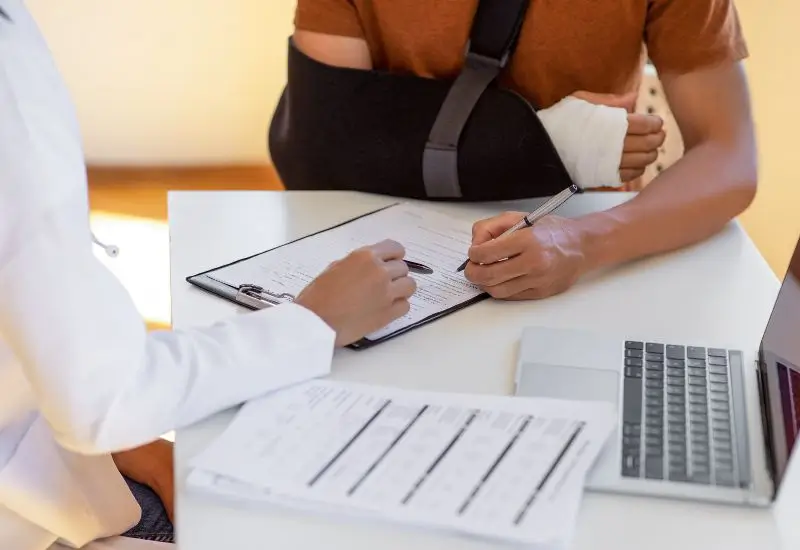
<point>259,298</point>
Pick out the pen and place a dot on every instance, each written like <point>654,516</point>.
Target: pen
<point>417,267</point>
<point>550,205</point>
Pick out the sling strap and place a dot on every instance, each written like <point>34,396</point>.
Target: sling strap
<point>493,38</point>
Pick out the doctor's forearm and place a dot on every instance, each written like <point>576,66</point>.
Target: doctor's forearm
<point>690,201</point>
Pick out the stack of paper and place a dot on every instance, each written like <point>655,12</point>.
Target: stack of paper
<point>511,469</point>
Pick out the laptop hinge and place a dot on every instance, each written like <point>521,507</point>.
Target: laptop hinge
<point>766,421</point>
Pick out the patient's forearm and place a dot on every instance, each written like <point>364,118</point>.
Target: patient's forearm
<point>686,203</point>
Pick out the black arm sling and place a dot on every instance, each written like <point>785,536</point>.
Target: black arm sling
<point>413,137</point>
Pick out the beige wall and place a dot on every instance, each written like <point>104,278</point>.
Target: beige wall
<point>171,81</point>
<point>181,81</point>
<point>774,69</point>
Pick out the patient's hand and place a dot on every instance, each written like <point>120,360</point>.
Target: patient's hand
<point>601,143</point>
<point>645,133</point>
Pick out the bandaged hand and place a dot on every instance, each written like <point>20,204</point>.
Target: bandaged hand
<point>601,143</point>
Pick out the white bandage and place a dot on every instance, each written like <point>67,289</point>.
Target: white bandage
<point>589,139</point>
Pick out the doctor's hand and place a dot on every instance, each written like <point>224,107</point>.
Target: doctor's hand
<point>361,293</point>
<point>531,263</point>
<point>645,133</point>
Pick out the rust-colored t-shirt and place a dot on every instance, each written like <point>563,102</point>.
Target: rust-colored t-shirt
<point>564,46</point>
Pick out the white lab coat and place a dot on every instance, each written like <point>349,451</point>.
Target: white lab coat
<point>79,375</point>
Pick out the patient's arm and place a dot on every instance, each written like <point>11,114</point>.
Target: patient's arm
<point>694,198</point>
<point>588,131</point>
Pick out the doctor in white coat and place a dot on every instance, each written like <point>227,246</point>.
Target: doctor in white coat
<point>79,375</point>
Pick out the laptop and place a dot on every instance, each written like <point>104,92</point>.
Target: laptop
<point>697,422</point>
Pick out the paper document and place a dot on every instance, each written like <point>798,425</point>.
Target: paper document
<point>429,237</point>
<point>485,465</point>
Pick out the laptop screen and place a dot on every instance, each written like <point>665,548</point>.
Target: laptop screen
<point>780,370</point>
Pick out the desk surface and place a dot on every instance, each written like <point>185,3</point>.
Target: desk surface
<point>719,292</point>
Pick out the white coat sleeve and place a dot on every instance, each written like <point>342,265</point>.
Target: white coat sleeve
<point>103,383</point>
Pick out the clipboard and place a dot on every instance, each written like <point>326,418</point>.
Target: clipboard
<point>255,297</point>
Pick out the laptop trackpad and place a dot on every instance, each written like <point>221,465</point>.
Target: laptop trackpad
<point>560,382</point>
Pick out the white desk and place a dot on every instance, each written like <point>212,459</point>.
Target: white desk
<point>721,290</point>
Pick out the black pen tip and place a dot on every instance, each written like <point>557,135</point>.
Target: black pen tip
<point>462,267</point>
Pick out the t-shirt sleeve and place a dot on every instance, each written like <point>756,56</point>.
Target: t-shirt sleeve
<point>686,35</point>
<point>336,17</point>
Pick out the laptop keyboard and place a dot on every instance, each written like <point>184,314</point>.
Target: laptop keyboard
<point>677,415</point>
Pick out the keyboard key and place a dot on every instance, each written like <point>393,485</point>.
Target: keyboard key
<point>656,431</point>
<point>720,435</point>
<point>654,366</point>
<point>694,371</point>
<point>630,362</point>
<point>678,448</point>
<point>632,400</point>
<point>676,437</point>
<point>698,363</point>
<point>630,465</point>
<point>631,428</point>
<point>718,387</point>
<point>654,383</point>
<point>719,406</point>
<point>654,375</point>
<point>631,441</point>
<point>655,357</point>
<point>653,439</point>
<point>654,411</point>
<point>652,347</point>
<point>634,345</point>
<point>721,424</point>
<point>700,461</point>
<point>677,363</point>
<point>634,353</point>
<point>696,381</point>
<point>724,479</point>
<point>633,372</point>
<point>672,371</point>
<point>697,399</point>
<point>678,475</point>
<point>702,478</point>
<point>674,381</point>
<point>676,352</point>
<point>654,467</point>
<point>677,399</point>
<point>717,361</point>
<point>718,378</point>
<point>677,428</point>
<point>715,369</point>
<point>724,464</point>
<point>723,448</point>
<point>676,409</point>
<point>695,353</point>
<point>716,352</point>
<point>675,390</point>
<point>676,418</point>
<point>720,415</point>
<point>696,390</point>
<point>719,396</point>
<point>654,450</point>
<point>653,421</point>
<point>698,410</point>
<point>698,428</point>
<point>677,458</point>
